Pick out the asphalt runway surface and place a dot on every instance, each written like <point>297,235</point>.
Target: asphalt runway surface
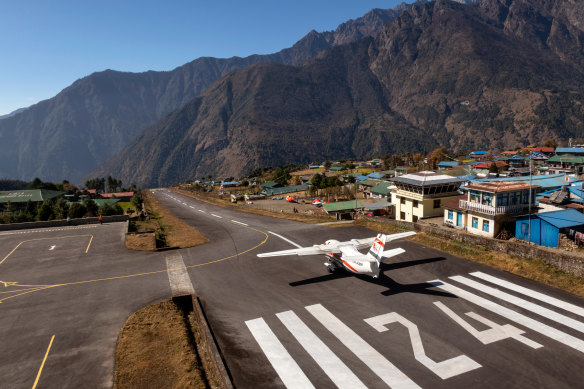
<point>432,320</point>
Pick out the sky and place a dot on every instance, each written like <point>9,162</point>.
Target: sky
<point>46,45</point>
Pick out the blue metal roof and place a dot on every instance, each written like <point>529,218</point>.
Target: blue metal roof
<point>519,157</point>
<point>563,150</point>
<point>448,163</point>
<point>375,175</point>
<point>546,181</point>
<point>479,152</point>
<point>562,219</point>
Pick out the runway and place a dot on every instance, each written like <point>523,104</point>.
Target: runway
<point>432,320</point>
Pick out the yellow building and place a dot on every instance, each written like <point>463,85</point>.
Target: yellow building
<point>490,206</point>
<point>421,195</point>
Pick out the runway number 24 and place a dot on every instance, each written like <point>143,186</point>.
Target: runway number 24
<point>460,364</point>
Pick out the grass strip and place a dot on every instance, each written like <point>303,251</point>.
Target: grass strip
<point>170,230</point>
<point>533,269</point>
<point>154,351</point>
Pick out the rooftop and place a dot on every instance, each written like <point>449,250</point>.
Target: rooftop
<point>500,186</point>
<point>562,219</point>
<point>22,196</point>
<point>427,178</point>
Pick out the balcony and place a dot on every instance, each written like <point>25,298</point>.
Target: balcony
<point>490,210</point>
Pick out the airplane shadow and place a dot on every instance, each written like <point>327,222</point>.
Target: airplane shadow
<point>393,287</point>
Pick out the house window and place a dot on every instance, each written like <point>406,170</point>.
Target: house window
<point>486,225</point>
<point>450,214</point>
<point>487,199</point>
<point>437,203</point>
<point>402,215</point>
<point>415,203</point>
<point>415,219</point>
<point>475,222</point>
<point>402,200</point>
<point>524,229</point>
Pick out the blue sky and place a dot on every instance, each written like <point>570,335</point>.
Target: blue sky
<point>47,45</point>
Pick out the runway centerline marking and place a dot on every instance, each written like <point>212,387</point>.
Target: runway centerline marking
<point>235,221</point>
<point>36,381</point>
<point>220,217</point>
<point>285,239</point>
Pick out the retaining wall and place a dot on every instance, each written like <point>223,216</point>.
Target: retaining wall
<point>570,262</point>
<point>63,222</point>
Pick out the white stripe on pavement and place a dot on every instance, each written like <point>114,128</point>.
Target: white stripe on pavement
<point>200,210</point>
<point>542,311</point>
<point>337,371</point>
<point>235,221</point>
<point>390,374</point>
<point>285,239</point>
<point>286,367</point>
<point>531,293</point>
<point>180,282</point>
<point>216,216</point>
<point>543,329</point>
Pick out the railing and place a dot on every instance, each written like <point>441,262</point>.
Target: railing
<point>490,210</point>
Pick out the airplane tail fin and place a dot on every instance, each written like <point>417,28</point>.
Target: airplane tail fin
<point>376,250</point>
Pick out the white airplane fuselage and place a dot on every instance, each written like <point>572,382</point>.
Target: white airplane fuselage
<point>362,265</point>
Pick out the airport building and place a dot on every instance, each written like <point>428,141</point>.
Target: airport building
<point>18,198</point>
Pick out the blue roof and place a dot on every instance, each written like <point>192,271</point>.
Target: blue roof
<point>448,163</point>
<point>231,183</point>
<point>563,150</point>
<point>479,152</point>
<point>562,219</point>
<point>545,181</point>
<point>516,156</point>
<point>361,178</point>
<point>375,175</point>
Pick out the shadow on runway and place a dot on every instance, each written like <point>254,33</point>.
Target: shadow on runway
<point>393,287</point>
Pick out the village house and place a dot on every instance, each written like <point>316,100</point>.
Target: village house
<point>421,195</point>
<point>490,206</point>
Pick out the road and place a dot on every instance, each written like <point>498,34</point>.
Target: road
<point>432,320</point>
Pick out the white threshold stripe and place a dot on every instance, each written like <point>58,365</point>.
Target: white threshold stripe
<point>542,311</point>
<point>517,317</point>
<point>531,293</point>
<point>220,217</point>
<point>337,371</point>
<point>390,374</point>
<point>285,239</point>
<point>178,276</point>
<point>235,221</point>
<point>286,367</point>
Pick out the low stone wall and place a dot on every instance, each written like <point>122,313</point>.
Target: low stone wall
<point>570,262</point>
<point>63,222</point>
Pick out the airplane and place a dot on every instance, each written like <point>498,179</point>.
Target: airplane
<point>346,255</point>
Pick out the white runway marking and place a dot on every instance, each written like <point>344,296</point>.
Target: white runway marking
<point>547,313</point>
<point>286,367</point>
<point>190,206</point>
<point>52,247</point>
<point>235,221</point>
<point>531,293</point>
<point>445,369</point>
<point>495,333</point>
<point>200,210</point>
<point>220,217</point>
<point>337,371</point>
<point>389,373</point>
<point>543,329</point>
<point>285,239</point>
<point>180,282</point>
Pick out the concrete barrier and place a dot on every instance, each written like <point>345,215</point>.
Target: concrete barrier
<point>63,222</point>
<point>570,262</point>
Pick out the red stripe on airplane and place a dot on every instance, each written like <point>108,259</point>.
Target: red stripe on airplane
<point>349,266</point>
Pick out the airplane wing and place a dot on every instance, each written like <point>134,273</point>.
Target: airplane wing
<point>399,235</point>
<point>314,250</point>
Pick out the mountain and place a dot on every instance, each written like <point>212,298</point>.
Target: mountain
<point>69,135</point>
<point>491,75</point>
<point>19,110</point>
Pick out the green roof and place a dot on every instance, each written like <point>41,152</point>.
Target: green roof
<point>270,185</point>
<point>343,205</point>
<point>22,196</point>
<point>567,158</point>
<point>369,182</point>
<point>285,189</point>
<point>336,168</point>
<point>382,188</point>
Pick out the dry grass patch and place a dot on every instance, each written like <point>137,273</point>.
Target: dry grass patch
<point>154,351</point>
<point>170,230</point>
<point>533,269</point>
